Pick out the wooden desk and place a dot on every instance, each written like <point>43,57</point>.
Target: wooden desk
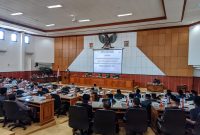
<point>103,82</point>
<point>46,108</point>
<point>155,88</point>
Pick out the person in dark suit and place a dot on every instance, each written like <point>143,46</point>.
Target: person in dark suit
<point>107,106</point>
<point>147,101</point>
<point>40,92</point>
<point>86,99</point>
<point>192,95</point>
<point>181,94</point>
<point>136,103</point>
<point>169,93</point>
<point>137,94</point>
<point>194,112</point>
<point>85,103</point>
<point>3,94</point>
<point>119,95</point>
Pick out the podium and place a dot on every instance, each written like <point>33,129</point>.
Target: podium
<point>65,79</point>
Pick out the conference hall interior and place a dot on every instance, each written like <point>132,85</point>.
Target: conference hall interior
<point>99,67</point>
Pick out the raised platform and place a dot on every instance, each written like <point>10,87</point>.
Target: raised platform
<point>103,82</point>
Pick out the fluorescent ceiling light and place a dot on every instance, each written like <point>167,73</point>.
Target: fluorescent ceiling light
<point>18,13</point>
<point>122,15</point>
<point>85,20</point>
<point>50,25</point>
<point>54,6</point>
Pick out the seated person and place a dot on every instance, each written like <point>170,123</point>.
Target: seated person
<point>21,105</point>
<point>192,95</point>
<point>45,90</point>
<point>3,94</point>
<point>40,92</point>
<point>154,97</point>
<point>180,94</point>
<point>137,93</point>
<point>110,98</point>
<point>96,97</point>
<point>107,106</point>
<point>93,91</point>
<point>175,103</point>
<point>136,103</point>
<point>119,95</point>
<point>85,103</point>
<point>156,81</point>
<point>95,88</point>
<point>194,112</point>
<point>147,101</point>
<point>72,85</point>
<point>169,93</point>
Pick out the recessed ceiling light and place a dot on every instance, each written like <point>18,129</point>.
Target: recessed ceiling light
<point>122,15</point>
<point>50,25</point>
<point>18,13</point>
<point>54,6</point>
<point>85,20</point>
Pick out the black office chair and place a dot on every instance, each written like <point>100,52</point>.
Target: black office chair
<point>196,130</point>
<point>13,113</point>
<point>173,122</point>
<point>59,108</point>
<point>136,121</point>
<point>78,119</point>
<point>105,122</point>
<point>1,112</point>
<point>148,108</point>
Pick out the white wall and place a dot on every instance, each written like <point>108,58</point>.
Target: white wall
<point>134,61</point>
<point>16,58</point>
<point>194,45</point>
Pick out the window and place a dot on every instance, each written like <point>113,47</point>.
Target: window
<point>26,39</point>
<point>14,37</point>
<point>1,35</point>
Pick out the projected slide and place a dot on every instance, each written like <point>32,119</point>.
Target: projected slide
<point>108,61</point>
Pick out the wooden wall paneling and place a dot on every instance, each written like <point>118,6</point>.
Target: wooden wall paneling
<point>169,49</point>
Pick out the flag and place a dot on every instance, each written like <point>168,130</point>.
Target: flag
<point>58,73</point>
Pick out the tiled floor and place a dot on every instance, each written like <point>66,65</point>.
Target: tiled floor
<point>64,129</point>
<point>58,127</point>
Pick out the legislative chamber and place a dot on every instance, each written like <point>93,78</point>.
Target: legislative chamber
<point>99,67</point>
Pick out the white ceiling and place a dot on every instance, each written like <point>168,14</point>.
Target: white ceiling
<point>99,11</point>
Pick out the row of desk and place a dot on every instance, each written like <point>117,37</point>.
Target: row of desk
<point>103,82</point>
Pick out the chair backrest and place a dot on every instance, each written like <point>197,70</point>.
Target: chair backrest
<point>137,120</point>
<point>197,126</point>
<point>174,121</point>
<point>19,93</point>
<point>105,122</point>
<point>45,90</point>
<point>11,109</point>
<point>78,117</point>
<point>1,109</point>
<point>57,101</point>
